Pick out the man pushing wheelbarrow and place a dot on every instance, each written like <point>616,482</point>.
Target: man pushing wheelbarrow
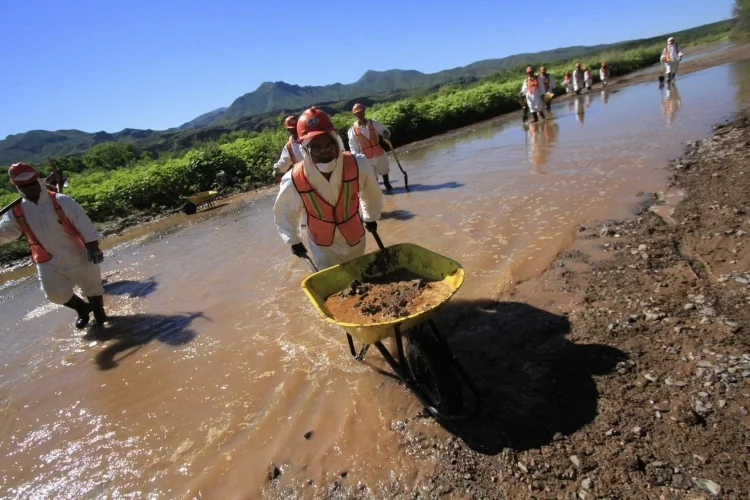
<point>333,189</point>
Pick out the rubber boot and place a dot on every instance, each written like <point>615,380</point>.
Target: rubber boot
<point>97,305</point>
<point>535,115</point>
<point>541,113</point>
<point>82,308</point>
<point>387,183</point>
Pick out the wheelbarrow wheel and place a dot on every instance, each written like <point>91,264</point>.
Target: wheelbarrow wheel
<point>430,366</point>
<point>189,208</point>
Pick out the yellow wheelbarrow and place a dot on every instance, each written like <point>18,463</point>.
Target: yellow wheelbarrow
<point>426,365</point>
<point>197,199</point>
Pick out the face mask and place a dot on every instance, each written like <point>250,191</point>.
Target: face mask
<point>326,168</point>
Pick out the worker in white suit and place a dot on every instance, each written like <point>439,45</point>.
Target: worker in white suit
<point>363,139</point>
<point>578,82</point>
<point>335,191</point>
<point>64,243</point>
<point>604,73</point>
<point>671,57</point>
<point>290,153</point>
<point>588,78</point>
<point>547,84</point>
<point>533,93</point>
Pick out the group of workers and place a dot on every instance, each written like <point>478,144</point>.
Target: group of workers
<point>334,191</point>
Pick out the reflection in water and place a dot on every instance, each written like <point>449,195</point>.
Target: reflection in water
<point>543,136</point>
<point>671,102</point>
<point>578,102</point>
<point>605,96</point>
<point>588,100</point>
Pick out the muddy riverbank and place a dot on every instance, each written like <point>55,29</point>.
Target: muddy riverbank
<point>623,371</point>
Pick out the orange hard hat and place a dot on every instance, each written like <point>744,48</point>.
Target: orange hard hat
<point>312,122</point>
<point>529,70</point>
<point>290,123</point>
<point>22,173</point>
<point>358,108</point>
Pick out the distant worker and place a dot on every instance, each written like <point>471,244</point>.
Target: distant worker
<point>568,82</point>
<point>671,57</point>
<point>363,139</point>
<point>291,153</point>
<point>334,190</point>
<point>588,80</point>
<point>547,84</point>
<point>530,89</point>
<point>578,79</point>
<point>604,73</point>
<point>64,243</point>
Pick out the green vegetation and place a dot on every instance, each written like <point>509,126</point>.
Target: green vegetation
<point>741,29</point>
<point>259,110</point>
<point>115,179</point>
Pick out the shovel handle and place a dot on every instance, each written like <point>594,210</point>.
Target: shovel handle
<point>375,235</point>
<point>9,206</point>
<point>310,263</point>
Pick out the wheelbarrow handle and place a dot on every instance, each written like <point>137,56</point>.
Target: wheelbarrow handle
<point>375,235</point>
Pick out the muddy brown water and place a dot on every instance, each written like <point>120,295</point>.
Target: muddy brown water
<point>217,364</point>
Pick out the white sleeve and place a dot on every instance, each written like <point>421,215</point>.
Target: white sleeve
<point>379,127</point>
<point>354,146</point>
<point>663,55</point>
<point>523,88</point>
<point>287,211</point>
<point>9,228</point>
<point>75,214</point>
<point>285,161</point>
<point>370,196</point>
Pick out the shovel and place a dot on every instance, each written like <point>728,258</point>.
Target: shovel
<point>406,176</point>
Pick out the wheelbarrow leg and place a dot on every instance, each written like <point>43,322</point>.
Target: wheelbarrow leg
<point>361,355</point>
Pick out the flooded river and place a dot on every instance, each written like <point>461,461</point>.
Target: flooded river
<point>218,366</point>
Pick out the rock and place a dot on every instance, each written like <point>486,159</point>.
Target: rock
<point>722,403</point>
<point>522,468</point>
<point>273,472</point>
<point>638,431</point>
<point>689,306</point>
<point>587,483</point>
<point>660,476</point>
<point>708,311</point>
<point>743,410</point>
<point>703,394</point>
<point>308,434</point>
<point>681,481</point>
<point>651,378</point>
<point>741,280</point>
<point>707,485</point>
<point>559,436</point>
<point>642,248</point>
<point>576,461</point>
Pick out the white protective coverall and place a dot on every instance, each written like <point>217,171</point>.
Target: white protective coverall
<point>552,84</point>
<point>587,78</point>
<point>69,265</point>
<point>533,95</point>
<point>379,163</point>
<point>578,80</point>
<point>604,75</point>
<point>671,56</point>
<point>289,210</point>
<point>285,161</point>
<point>568,82</point>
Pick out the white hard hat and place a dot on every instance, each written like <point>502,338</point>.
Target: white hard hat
<point>670,39</point>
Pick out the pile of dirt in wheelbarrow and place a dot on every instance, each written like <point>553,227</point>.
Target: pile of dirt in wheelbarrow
<point>394,295</point>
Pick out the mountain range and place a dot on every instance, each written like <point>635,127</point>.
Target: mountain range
<point>262,106</point>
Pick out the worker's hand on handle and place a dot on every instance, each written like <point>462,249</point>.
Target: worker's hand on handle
<point>94,253</point>
<point>371,226</point>
<point>299,250</point>
<point>386,134</point>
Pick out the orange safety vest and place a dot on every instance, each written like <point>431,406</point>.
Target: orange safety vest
<point>531,84</point>
<point>545,79</point>
<point>38,253</point>
<point>322,217</point>
<point>290,150</point>
<point>371,146</point>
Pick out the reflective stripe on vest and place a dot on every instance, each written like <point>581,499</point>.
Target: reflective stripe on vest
<point>322,217</point>
<point>290,150</point>
<point>38,253</point>
<point>369,148</point>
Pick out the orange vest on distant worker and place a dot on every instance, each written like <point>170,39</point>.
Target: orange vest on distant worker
<point>322,217</point>
<point>38,253</point>
<point>370,147</point>
<point>546,80</point>
<point>290,150</point>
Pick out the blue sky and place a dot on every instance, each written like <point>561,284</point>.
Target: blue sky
<point>106,65</point>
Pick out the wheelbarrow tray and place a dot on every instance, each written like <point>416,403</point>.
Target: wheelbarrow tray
<point>203,197</point>
<point>431,265</point>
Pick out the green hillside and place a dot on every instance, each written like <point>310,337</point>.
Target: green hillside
<point>263,107</point>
